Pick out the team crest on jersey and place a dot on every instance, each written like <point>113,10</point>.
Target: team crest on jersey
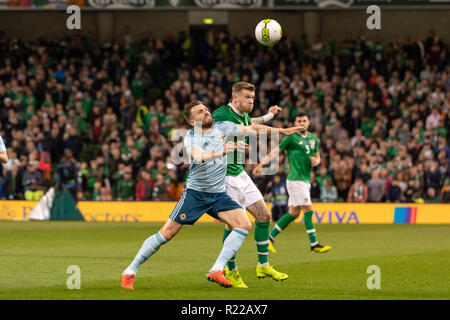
<point>223,137</point>
<point>183,216</point>
<point>312,144</point>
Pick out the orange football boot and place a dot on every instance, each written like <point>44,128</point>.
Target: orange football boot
<point>127,281</point>
<point>219,277</point>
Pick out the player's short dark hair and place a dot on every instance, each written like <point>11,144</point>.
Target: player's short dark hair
<point>239,86</point>
<point>188,107</point>
<point>301,115</point>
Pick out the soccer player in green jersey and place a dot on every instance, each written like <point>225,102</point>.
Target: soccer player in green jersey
<point>303,154</point>
<point>241,188</point>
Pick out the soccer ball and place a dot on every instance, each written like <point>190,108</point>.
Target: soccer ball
<point>268,32</point>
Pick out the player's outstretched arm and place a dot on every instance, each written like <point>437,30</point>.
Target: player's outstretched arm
<point>199,155</point>
<point>254,128</point>
<point>272,154</point>
<point>3,157</point>
<point>269,116</point>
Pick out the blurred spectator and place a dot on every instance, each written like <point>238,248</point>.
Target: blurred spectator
<point>431,196</point>
<point>13,184</point>
<point>74,142</point>
<point>445,193</point>
<point>126,186</point>
<point>2,188</point>
<point>32,182</point>
<point>278,196</point>
<point>160,188</point>
<point>322,176</point>
<point>66,174</point>
<point>315,188</point>
<point>94,173</point>
<point>144,187</point>
<point>432,176</point>
<point>328,191</point>
<point>394,193</point>
<point>96,194</point>
<point>410,191</point>
<point>364,173</point>
<point>376,187</point>
<point>106,194</point>
<point>358,191</point>
<point>343,178</point>
<point>176,189</point>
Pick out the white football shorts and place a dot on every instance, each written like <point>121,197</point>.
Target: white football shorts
<point>299,193</point>
<point>242,189</point>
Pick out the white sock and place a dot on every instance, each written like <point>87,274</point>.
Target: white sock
<point>129,272</point>
<point>230,246</point>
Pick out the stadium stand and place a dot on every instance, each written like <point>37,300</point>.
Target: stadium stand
<point>98,117</point>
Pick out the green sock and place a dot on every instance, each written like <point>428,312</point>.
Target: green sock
<point>231,264</point>
<point>309,225</point>
<point>282,223</point>
<point>262,241</point>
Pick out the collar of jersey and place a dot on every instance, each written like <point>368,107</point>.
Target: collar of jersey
<point>235,111</point>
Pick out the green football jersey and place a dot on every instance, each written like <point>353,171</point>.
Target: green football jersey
<point>299,149</point>
<point>226,113</point>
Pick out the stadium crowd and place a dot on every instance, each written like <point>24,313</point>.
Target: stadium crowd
<point>98,118</point>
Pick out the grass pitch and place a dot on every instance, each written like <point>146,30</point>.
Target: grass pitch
<point>34,256</point>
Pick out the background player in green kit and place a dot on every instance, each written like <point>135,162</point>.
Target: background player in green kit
<point>303,154</point>
<point>241,188</point>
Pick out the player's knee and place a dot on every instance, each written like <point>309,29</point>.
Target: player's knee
<point>295,213</point>
<point>167,234</point>
<point>306,208</point>
<point>263,217</point>
<point>246,226</point>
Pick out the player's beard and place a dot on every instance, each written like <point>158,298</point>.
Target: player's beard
<point>245,108</point>
<point>207,122</point>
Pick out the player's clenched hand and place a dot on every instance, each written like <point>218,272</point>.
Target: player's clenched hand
<point>275,109</point>
<point>257,170</point>
<point>314,161</point>
<point>241,146</point>
<point>229,147</point>
<point>289,131</point>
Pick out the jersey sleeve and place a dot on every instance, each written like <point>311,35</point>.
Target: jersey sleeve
<point>2,145</point>
<point>284,143</point>
<point>227,127</point>
<point>219,115</point>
